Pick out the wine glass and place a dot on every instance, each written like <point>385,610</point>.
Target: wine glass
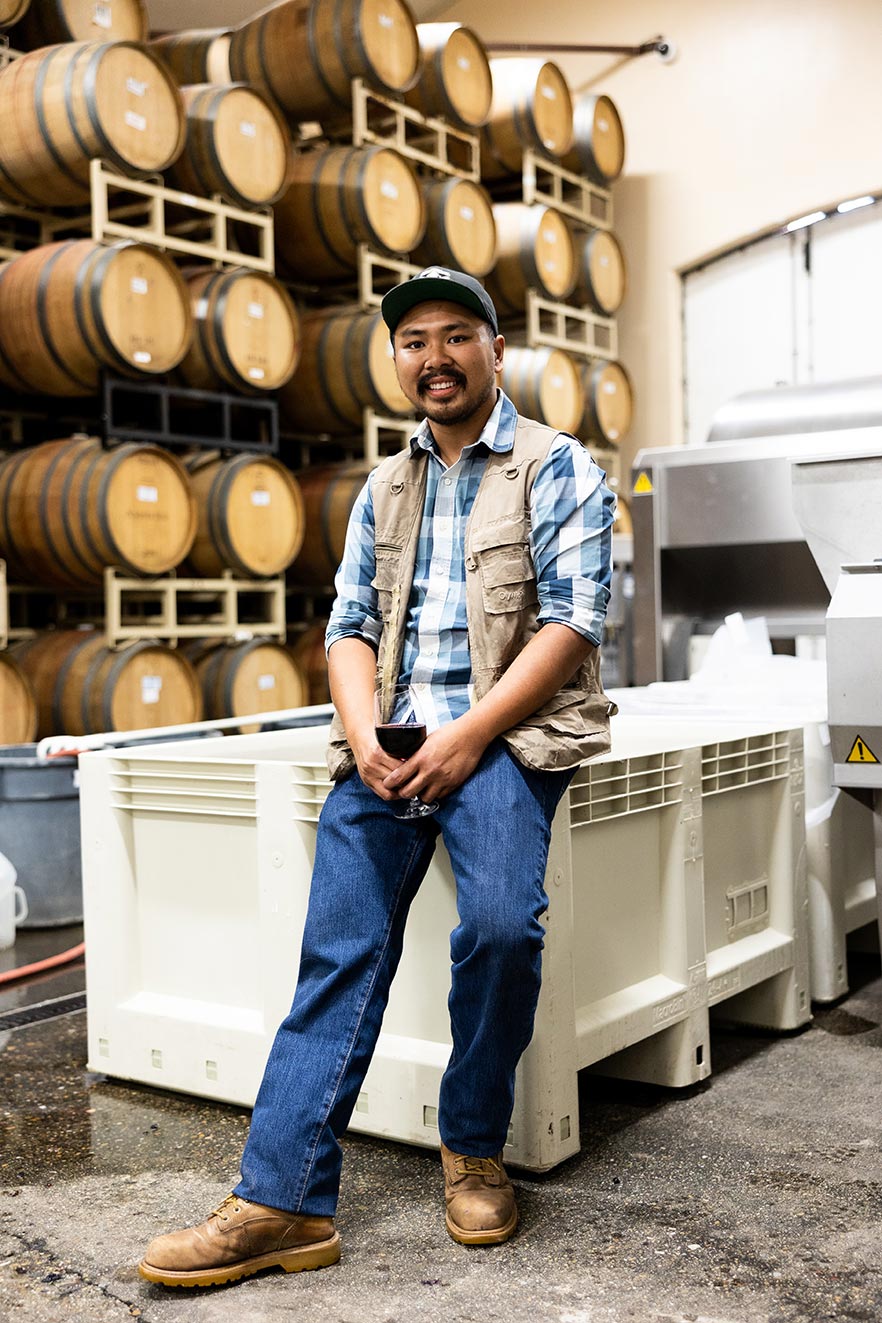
<point>400,732</point>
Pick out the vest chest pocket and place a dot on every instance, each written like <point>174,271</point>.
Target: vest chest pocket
<point>508,578</point>
<point>388,574</point>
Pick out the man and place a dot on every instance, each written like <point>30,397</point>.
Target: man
<point>476,571</point>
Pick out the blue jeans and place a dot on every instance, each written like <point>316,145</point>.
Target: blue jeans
<point>368,868</point>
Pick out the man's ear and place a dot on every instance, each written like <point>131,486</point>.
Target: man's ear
<point>498,352</point>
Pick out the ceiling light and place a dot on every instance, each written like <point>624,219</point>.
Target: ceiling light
<point>852,205</point>
<point>806,220</point>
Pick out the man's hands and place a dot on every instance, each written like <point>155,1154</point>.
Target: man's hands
<point>448,757</point>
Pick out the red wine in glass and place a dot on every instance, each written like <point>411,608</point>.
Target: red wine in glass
<point>401,738</point>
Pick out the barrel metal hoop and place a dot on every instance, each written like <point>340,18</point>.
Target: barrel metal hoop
<point>117,667</point>
<point>90,85</point>
<point>91,462</point>
<point>21,193</point>
<point>226,280</point>
<point>61,684</point>
<point>46,523</point>
<point>14,462</point>
<point>209,142</point>
<point>205,340</point>
<point>13,371</point>
<point>43,318</point>
<point>325,523</point>
<point>315,58</point>
<point>210,678</point>
<point>262,25</point>
<point>105,257</point>
<point>71,116</point>
<point>320,229</point>
<point>102,504</point>
<point>355,202</point>
<point>42,123</point>
<point>229,673</point>
<point>376,402</point>
<point>220,490</point>
<point>66,512</point>
<point>324,334</point>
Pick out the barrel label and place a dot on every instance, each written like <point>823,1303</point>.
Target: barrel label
<point>151,688</point>
<point>549,93</point>
<point>550,236</point>
<point>141,356</point>
<point>467,213</point>
<point>138,285</point>
<point>201,309</point>
<point>256,374</point>
<point>389,190</point>
<point>260,498</point>
<point>255,310</point>
<point>557,381</point>
<point>135,86</point>
<point>247,129</point>
<point>386,21</point>
<point>145,493</point>
<point>603,125</point>
<point>609,388</point>
<point>102,16</point>
<point>135,121</point>
<point>266,682</point>
<point>464,63</point>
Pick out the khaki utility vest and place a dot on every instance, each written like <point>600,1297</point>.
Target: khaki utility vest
<point>502,602</point>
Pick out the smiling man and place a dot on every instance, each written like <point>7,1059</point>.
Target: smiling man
<point>476,573</point>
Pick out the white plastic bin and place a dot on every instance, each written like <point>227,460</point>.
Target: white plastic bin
<point>197,861</point>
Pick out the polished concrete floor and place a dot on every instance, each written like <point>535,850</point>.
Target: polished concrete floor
<point>755,1196</point>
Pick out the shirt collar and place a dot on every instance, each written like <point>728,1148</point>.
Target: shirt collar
<point>497,435</point>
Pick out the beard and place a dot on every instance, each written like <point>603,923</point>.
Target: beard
<point>458,411</point>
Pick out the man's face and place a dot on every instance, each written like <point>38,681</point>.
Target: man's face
<point>447,359</point>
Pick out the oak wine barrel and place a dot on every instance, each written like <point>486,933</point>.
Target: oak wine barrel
<point>609,403</point>
<point>329,494</point>
<point>346,366</point>
<point>200,55</point>
<point>68,309</point>
<point>63,106</point>
<point>602,279</point>
<point>460,229</point>
<point>306,56</point>
<point>534,249</point>
<point>18,706</point>
<point>241,678</point>
<point>339,197</point>
<point>545,384</point>
<point>237,144</point>
<point>249,512</point>
<point>11,11</point>
<point>247,331</point>
<point>454,79</point>
<point>531,108</point>
<point>69,508</point>
<point>598,149</point>
<point>51,21</point>
<point>83,687</point>
<point>308,650</point>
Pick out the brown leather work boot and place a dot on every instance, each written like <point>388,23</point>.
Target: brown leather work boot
<point>481,1208</point>
<point>238,1239</point>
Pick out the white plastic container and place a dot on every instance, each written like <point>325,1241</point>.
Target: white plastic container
<point>840,866</point>
<point>13,904</point>
<point>197,860</point>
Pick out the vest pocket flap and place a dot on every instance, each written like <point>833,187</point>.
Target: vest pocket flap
<point>388,566</point>
<point>501,566</point>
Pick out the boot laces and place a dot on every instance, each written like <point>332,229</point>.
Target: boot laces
<point>466,1166</point>
<point>223,1209</point>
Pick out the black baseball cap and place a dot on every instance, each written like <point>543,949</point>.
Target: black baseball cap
<point>439,282</point>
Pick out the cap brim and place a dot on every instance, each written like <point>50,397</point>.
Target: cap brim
<point>404,297</point>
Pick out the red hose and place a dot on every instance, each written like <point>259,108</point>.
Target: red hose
<point>63,958</point>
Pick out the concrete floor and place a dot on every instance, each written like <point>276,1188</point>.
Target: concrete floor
<point>756,1196</point>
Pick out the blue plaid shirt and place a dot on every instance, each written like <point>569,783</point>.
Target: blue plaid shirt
<point>572,512</point>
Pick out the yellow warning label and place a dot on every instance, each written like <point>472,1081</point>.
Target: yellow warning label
<point>643,485</point>
<point>860,753</point>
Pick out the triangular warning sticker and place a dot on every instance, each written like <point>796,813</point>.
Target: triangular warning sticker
<point>643,485</point>
<point>860,753</point>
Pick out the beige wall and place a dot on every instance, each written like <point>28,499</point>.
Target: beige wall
<point>772,108</point>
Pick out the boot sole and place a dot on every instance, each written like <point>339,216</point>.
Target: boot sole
<point>494,1236</point>
<point>302,1258</point>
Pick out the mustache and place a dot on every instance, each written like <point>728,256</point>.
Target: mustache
<point>423,383</point>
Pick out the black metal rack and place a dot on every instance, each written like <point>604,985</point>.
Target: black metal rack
<point>178,416</point>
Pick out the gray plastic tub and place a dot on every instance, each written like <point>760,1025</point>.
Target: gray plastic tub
<point>40,833</point>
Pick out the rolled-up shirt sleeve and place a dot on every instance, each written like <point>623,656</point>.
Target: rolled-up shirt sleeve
<point>572,512</point>
<point>356,613</point>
